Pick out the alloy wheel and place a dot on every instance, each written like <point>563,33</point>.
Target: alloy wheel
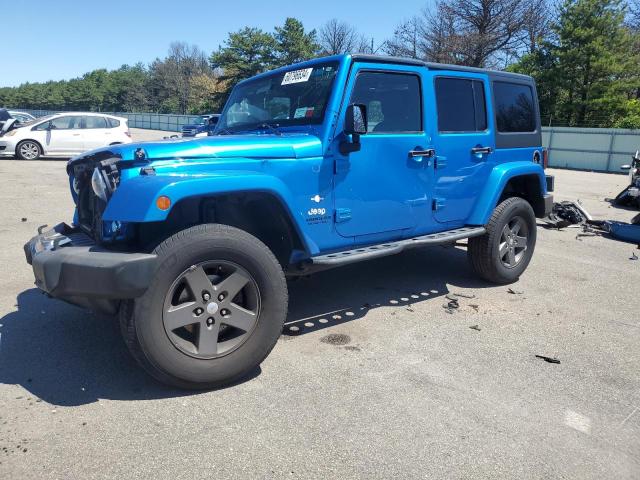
<point>514,241</point>
<point>211,309</point>
<point>29,150</point>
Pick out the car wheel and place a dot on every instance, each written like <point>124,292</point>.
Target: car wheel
<point>503,253</point>
<point>28,150</point>
<point>213,312</point>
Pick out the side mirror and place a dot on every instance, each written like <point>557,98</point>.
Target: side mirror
<point>355,121</point>
<point>355,124</point>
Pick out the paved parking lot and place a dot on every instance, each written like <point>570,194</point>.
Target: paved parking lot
<point>379,381</point>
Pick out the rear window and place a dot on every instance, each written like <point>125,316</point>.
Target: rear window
<point>113,123</point>
<point>515,109</point>
<point>461,105</point>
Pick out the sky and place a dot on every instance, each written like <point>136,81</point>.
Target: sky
<point>62,39</point>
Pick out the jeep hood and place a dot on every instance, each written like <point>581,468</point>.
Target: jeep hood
<point>259,146</point>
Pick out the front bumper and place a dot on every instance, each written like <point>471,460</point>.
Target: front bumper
<point>69,266</point>
<point>7,147</point>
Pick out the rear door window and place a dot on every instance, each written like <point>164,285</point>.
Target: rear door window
<point>515,108</point>
<point>95,122</point>
<point>461,105</point>
<point>393,100</point>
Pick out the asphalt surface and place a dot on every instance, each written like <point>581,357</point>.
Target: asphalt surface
<point>379,381</point>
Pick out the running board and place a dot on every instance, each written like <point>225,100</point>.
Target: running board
<point>391,248</point>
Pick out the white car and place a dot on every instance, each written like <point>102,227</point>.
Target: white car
<point>62,135</point>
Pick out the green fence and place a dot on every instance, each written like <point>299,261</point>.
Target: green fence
<point>598,149</point>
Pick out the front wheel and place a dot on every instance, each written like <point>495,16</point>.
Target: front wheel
<point>28,150</point>
<point>503,253</point>
<point>213,312</point>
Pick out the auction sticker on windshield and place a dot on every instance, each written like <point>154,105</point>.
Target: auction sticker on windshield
<point>297,76</point>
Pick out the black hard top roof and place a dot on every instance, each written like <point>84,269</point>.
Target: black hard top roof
<point>359,57</point>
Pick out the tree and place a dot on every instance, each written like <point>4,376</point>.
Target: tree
<point>245,53</point>
<point>469,32</point>
<point>171,78</point>
<point>293,44</point>
<point>588,72</point>
<point>338,37</point>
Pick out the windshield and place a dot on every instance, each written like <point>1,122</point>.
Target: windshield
<point>296,97</point>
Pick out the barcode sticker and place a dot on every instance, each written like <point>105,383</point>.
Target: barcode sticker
<point>297,76</point>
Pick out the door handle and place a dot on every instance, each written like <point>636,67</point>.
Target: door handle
<point>428,153</point>
<point>477,150</point>
<point>75,134</point>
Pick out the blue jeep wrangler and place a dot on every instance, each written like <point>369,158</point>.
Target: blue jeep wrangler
<point>316,165</point>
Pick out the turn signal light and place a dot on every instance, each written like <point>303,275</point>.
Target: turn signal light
<point>163,203</point>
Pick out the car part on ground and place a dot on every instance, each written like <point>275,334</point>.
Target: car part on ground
<point>630,196</point>
<point>567,213</point>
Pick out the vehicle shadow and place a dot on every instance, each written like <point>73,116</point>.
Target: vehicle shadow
<point>334,297</point>
<point>67,356</point>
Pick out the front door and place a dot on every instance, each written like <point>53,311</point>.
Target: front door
<point>64,135</point>
<point>463,139</point>
<point>382,188</point>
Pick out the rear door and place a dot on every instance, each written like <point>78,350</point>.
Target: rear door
<point>96,132</point>
<point>463,138</point>
<point>382,189</point>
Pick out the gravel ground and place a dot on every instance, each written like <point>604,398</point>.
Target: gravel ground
<point>379,382</point>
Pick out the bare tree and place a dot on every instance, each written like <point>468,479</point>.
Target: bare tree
<point>536,25</point>
<point>172,77</point>
<point>634,14</point>
<point>338,37</point>
<point>471,32</point>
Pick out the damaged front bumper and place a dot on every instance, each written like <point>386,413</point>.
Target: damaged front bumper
<point>68,265</point>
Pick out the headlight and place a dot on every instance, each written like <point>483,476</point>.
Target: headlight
<point>98,184</point>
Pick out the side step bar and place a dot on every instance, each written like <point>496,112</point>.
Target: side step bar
<point>390,248</point>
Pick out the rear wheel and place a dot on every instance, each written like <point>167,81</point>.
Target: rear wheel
<point>28,150</point>
<point>503,253</point>
<point>213,312</point>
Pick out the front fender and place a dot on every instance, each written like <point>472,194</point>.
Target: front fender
<point>135,199</point>
<point>498,179</point>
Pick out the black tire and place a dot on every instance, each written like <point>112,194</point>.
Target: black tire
<point>162,353</point>
<point>489,254</point>
<point>28,146</point>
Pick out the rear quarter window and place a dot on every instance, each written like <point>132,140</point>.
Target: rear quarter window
<point>515,108</point>
<point>113,123</point>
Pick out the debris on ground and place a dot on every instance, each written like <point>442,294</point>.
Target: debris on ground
<point>23,219</point>
<point>462,295</point>
<point>452,305</point>
<point>475,306</point>
<point>475,327</point>
<point>548,359</point>
<point>633,256</point>
<point>514,292</point>
<point>565,214</point>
